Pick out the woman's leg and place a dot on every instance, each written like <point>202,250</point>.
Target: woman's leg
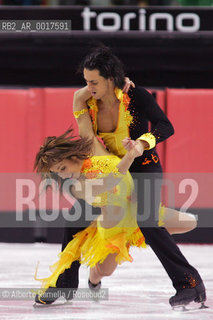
<point>178,222</point>
<point>103,269</point>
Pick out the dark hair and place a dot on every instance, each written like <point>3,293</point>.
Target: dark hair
<point>108,65</point>
<point>56,149</point>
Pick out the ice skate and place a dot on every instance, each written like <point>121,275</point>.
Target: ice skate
<point>185,296</point>
<point>52,294</point>
<point>64,289</point>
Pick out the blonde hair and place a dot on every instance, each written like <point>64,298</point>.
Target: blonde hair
<point>56,149</point>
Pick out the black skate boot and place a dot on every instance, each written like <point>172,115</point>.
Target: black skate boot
<point>51,295</point>
<point>66,284</point>
<point>187,295</point>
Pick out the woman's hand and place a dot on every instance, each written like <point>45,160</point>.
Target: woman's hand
<point>128,84</point>
<point>135,148</point>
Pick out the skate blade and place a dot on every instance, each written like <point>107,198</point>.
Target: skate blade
<point>52,305</point>
<point>180,308</point>
<point>203,306</point>
<point>183,308</point>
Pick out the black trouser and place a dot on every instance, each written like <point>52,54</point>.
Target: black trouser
<point>181,273</point>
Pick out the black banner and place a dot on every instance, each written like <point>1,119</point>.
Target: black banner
<point>42,46</point>
<point>119,18</point>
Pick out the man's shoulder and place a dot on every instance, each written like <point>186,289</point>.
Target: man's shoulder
<point>137,92</point>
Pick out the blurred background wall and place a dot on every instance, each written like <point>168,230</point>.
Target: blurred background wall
<point>171,55</point>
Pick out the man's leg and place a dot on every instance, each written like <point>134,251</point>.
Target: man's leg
<point>182,274</point>
<point>185,278</point>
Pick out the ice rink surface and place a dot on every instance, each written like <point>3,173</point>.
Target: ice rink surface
<point>137,290</point>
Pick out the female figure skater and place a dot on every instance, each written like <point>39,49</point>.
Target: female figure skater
<point>106,242</point>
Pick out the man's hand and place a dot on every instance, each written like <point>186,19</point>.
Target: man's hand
<point>135,148</point>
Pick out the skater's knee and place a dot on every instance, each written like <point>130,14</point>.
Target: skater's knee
<point>189,221</point>
<point>106,273</point>
<point>193,222</point>
<point>103,271</point>
<point>179,222</point>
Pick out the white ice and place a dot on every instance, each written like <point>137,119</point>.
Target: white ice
<point>137,290</point>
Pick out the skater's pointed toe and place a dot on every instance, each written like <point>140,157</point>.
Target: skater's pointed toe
<point>48,297</point>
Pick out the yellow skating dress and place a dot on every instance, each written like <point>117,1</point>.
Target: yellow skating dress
<point>95,243</point>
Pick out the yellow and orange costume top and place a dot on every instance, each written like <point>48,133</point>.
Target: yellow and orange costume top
<point>95,243</point>
<point>113,140</point>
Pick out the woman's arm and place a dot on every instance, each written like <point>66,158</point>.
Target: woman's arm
<point>108,182</point>
<point>84,121</point>
<point>134,149</point>
<point>80,108</point>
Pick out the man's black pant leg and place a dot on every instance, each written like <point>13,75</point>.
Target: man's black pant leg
<point>182,274</point>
